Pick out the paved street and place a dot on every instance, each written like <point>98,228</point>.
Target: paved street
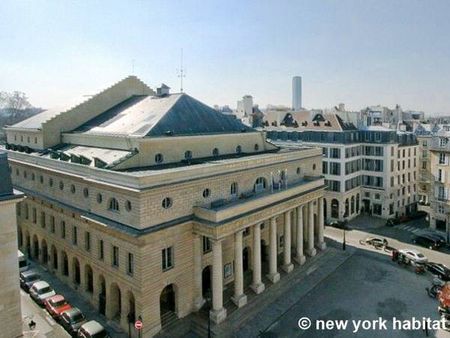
<point>45,325</point>
<point>367,286</point>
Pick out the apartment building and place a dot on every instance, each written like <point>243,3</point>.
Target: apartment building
<point>149,203</point>
<point>371,170</point>
<point>439,153</point>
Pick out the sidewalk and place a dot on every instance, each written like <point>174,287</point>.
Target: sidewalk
<point>77,300</point>
<point>265,309</point>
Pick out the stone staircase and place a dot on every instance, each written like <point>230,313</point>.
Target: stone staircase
<point>168,319</point>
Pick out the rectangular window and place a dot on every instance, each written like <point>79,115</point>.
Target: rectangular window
<point>115,256</point>
<point>34,216</point>
<point>52,224</point>
<point>207,247</point>
<point>335,153</point>
<point>324,167</point>
<point>63,229</point>
<point>42,219</point>
<point>101,252</point>
<point>74,235</point>
<point>18,207</point>
<point>26,211</point>
<point>440,176</point>
<point>335,168</point>
<point>441,158</point>
<point>130,264</point>
<point>167,258</point>
<point>87,241</point>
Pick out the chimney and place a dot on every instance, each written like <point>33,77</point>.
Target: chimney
<point>163,90</point>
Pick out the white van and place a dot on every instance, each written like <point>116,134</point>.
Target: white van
<point>23,263</point>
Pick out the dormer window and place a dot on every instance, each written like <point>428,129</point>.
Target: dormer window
<point>113,204</point>
<point>260,184</point>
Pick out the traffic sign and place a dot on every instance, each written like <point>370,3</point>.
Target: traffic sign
<point>138,325</point>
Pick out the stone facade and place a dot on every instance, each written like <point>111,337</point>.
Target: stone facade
<point>10,309</point>
<point>174,222</point>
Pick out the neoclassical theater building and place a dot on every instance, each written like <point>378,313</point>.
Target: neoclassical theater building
<point>148,203</point>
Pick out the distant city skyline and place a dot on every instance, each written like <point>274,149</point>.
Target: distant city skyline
<point>359,53</point>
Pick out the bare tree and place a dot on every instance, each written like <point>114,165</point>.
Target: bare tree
<point>14,103</point>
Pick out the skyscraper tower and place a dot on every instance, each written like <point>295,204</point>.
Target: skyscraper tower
<point>296,93</point>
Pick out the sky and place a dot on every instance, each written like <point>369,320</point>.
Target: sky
<point>352,51</point>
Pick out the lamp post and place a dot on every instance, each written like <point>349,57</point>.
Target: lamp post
<point>209,306</point>
<point>344,227</point>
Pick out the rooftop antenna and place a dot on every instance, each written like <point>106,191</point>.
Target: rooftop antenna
<point>181,72</point>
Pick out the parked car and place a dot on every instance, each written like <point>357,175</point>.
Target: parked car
<point>439,270</point>
<point>434,234</point>
<point>427,241</point>
<point>92,329</point>
<point>72,320</point>
<point>40,291</point>
<point>376,242</point>
<point>23,263</point>
<point>56,305</point>
<point>28,278</point>
<point>339,225</point>
<point>417,215</point>
<point>392,221</point>
<point>414,255</point>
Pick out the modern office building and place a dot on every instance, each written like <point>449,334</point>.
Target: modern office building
<point>372,170</point>
<point>149,203</point>
<point>296,93</point>
<point>10,309</point>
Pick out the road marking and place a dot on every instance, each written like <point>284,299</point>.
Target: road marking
<point>50,320</point>
<point>311,270</point>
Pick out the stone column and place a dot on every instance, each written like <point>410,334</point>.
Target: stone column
<point>198,296</point>
<point>299,258</point>
<point>287,266</point>
<point>239,298</point>
<point>273,275</point>
<point>311,251</point>
<point>218,312</point>
<point>257,285</point>
<point>320,226</point>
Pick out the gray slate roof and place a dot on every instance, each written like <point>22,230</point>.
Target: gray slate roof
<point>154,116</point>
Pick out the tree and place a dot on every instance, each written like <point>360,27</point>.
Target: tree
<point>14,103</point>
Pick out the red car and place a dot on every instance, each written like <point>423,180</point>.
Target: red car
<point>56,305</point>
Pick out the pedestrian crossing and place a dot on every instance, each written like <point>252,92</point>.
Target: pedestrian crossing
<point>409,228</point>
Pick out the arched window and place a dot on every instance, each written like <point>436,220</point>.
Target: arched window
<point>99,198</point>
<point>188,154</point>
<point>334,208</point>
<point>352,205</point>
<point>215,152</point>
<point>159,158</point>
<point>260,184</point>
<point>357,203</point>
<point>113,204</point>
<point>256,147</point>
<point>128,205</point>
<point>347,208</point>
<point>234,189</point>
<point>86,192</point>
<point>238,149</point>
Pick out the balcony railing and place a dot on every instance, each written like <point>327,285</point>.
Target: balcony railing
<point>221,210</point>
